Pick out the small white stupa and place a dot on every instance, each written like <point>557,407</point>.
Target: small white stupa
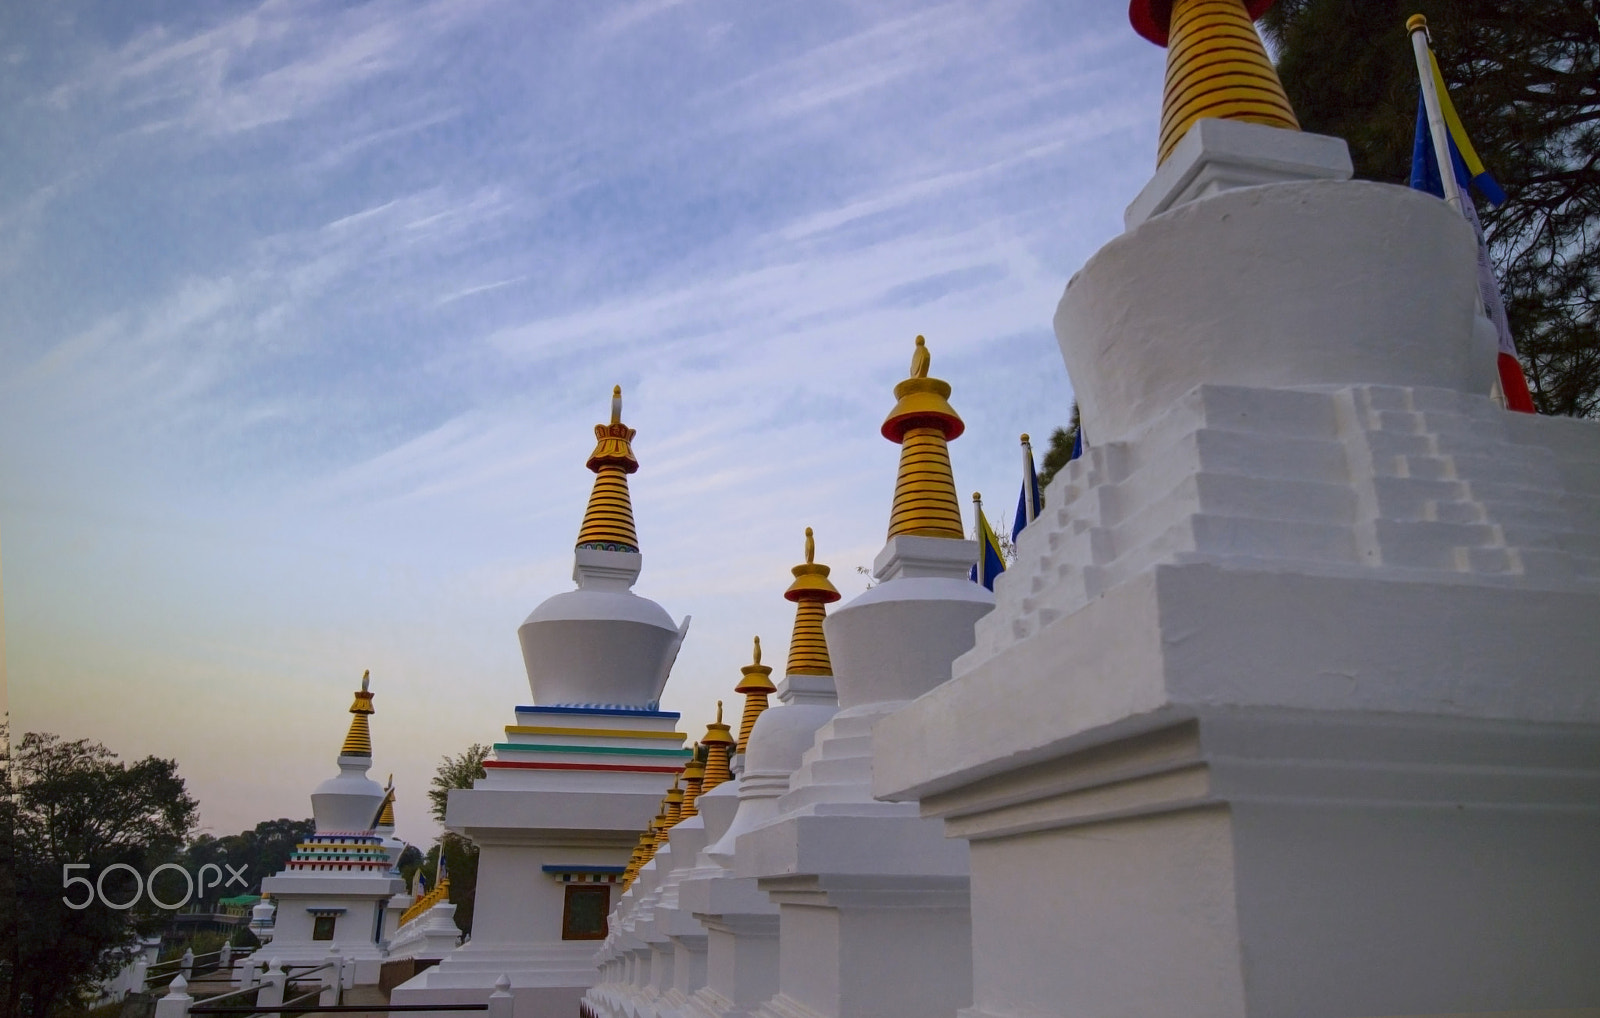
<point>578,773</point>
<point>872,899</point>
<point>706,945</point>
<point>335,890</point>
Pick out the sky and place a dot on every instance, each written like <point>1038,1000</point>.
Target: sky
<point>308,310</point>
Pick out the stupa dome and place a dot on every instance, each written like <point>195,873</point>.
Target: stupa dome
<point>602,645</point>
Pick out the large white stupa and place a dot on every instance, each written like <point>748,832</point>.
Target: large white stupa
<point>1288,704</point>
<point>577,774</point>
<point>335,890</point>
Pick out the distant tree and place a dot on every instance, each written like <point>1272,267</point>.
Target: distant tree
<point>76,803</point>
<point>9,940</point>
<point>1525,76</point>
<point>460,855</point>
<point>411,860</point>
<point>1060,451</point>
<point>459,771</point>
<point>256,853</point>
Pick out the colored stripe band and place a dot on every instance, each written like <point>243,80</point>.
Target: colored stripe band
<point>606,733</point>
<point>533,747</point>
<point>629,712</point>
<point>518,765</point>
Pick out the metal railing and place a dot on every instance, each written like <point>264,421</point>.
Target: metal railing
<point>145,974</point>
<point>177,1003</point>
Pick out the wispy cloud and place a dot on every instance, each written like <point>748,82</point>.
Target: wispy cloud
<point>345,286</point>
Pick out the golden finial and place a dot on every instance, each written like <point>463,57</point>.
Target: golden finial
<point>1216,65</point>
<point>719,743</point>
<point>756,687</point>
<point>923,423</point>
<point>358,741</point>
<point>608,521</point>
<point>1024,438</point>
<point>1415,22</point>
<point>694,776</point>
<point>921,359</point>
<point>810,591</point>
<point>673,808</point>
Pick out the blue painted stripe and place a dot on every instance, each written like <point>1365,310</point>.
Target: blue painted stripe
<point>619,711</point>
<point>539,747</point>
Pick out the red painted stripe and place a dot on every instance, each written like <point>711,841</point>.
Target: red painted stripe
<point>580,767</point>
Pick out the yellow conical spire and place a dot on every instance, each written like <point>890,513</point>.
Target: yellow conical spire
<point>1216,65</point>
<point>672,805</point>
<point>719,743</point>
<point>811,589</point>
<point>756,687</point>
<point>386,811</point>
<point>694,776</point>
<point>608,522</point>
<point>923,422</point>
<point>358,742</point>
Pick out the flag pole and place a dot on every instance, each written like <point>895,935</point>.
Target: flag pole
<point>1417,25</point>
<point>1028,481</point>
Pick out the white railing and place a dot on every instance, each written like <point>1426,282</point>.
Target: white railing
<point>179,1004</point>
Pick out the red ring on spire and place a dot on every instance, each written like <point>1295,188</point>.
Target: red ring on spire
<point>1151,18</point>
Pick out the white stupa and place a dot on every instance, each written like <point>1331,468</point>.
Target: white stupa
<point>707,945</point>
<point>578,773</point>
<point>1288,704</point>
<point>335,890</point>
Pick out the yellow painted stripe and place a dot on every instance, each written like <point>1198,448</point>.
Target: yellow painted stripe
<point>1217,67</point>
<point>925,501</point>
<point>808,647</point>
<point>609,733</point>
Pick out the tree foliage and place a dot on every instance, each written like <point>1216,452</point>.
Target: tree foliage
<point>256,853</point>
<point>458,771</point>
<point>1059,454</point>
<point>460,855</point>
<point>1525,77</point>
<point>75,802</point>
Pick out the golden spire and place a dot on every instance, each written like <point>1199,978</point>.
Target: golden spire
<point>1216,65</point>
<point>672,805</point>
<point>756,686</point>
<point>658,834</point>
<point>608,522</point>
<point>386,810</point>
<point>358,742</point>
<point>719,743</point>
<point>811,589</point>
<point>694,776</point>
<point>923,422</point>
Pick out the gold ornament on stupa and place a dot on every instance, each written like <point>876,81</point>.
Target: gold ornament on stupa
<point>1216,65</point>
<point>358,741</point>
<point>719,743</point>
<point>810,591</point>
<point>756,687</point>
<point>608,521</point>
<point>694,776</point>
<point>923,423</point>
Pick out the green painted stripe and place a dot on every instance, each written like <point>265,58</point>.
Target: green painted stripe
<point>529,747</point>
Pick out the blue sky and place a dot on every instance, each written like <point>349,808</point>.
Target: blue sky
<point>307,311</point>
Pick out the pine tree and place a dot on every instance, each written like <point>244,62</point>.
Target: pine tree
<point>1525,76</point>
